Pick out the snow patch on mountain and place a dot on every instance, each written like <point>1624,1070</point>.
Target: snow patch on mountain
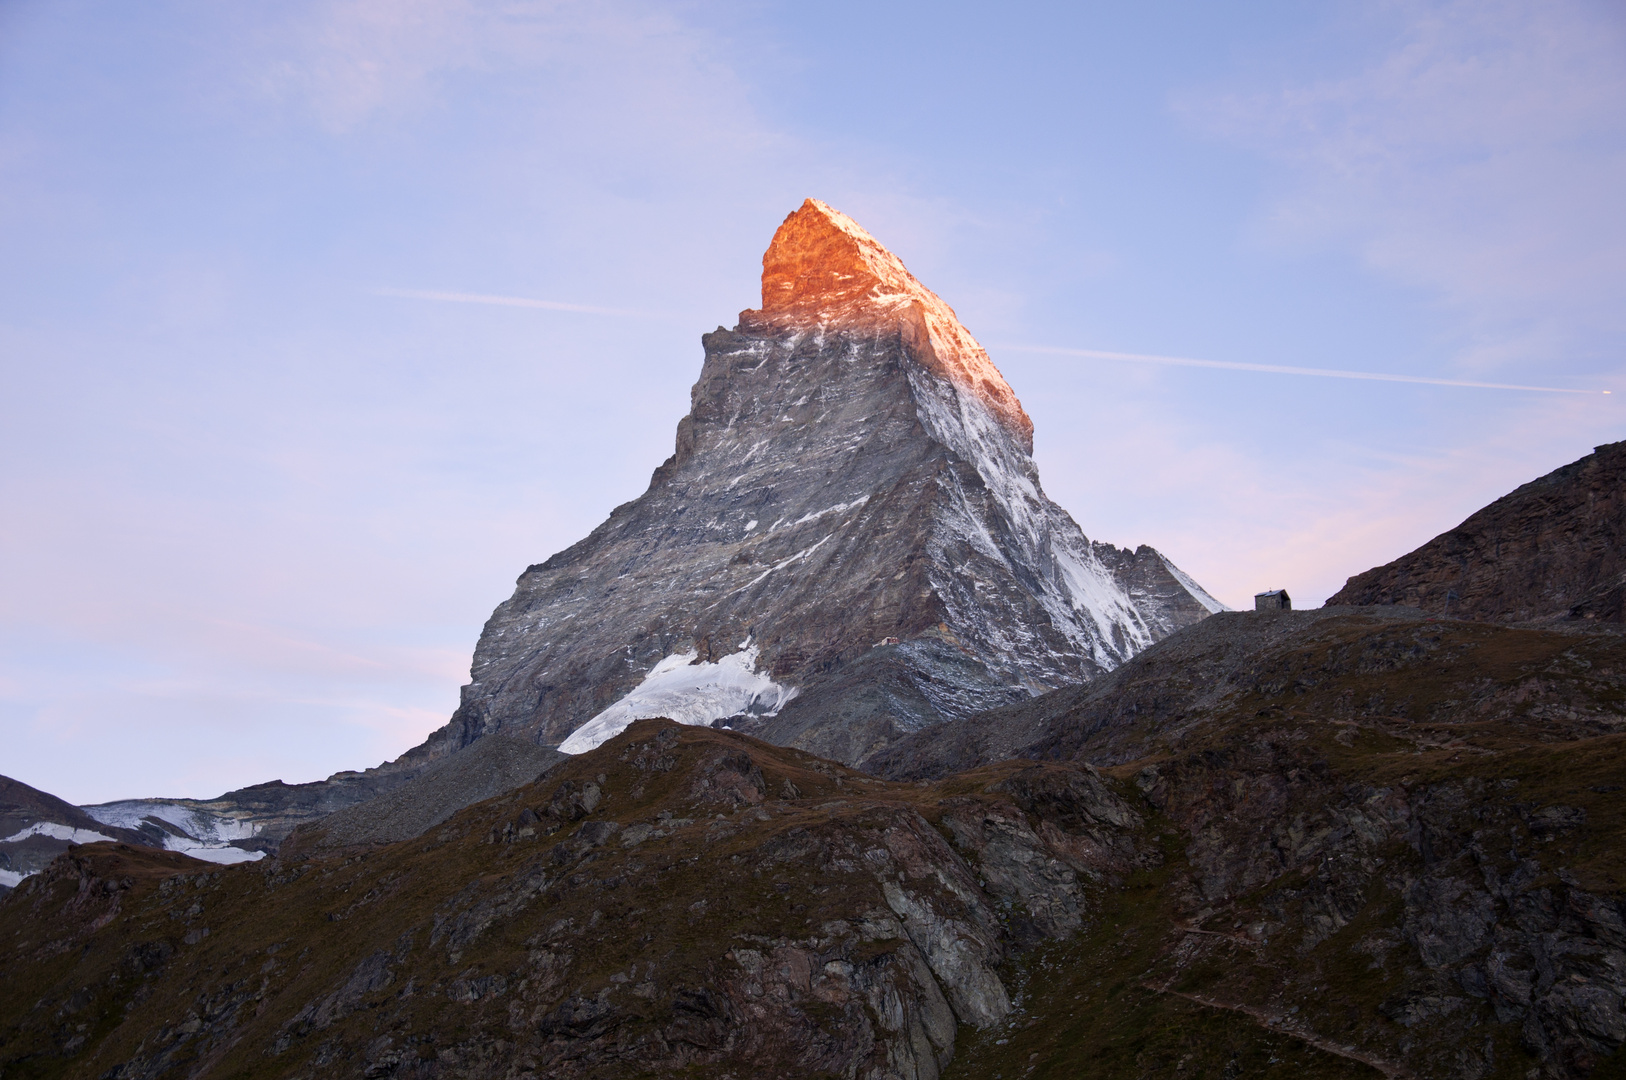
<point>800,555</point>
<point>57,831</point>
<point>224,854</point>
<point>197,833</point>
<point>836,509</point>
<point>11,878</point>
<point>685,689</point>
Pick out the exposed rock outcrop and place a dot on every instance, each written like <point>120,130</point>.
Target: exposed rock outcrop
<point>1554,548</point>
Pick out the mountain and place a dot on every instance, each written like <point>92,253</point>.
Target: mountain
<point>242,825</point>
<point>1552,549</point>
<point>849,543</point>
<point>376,806</point>
<point>678,901</point>
<point>36,827</point>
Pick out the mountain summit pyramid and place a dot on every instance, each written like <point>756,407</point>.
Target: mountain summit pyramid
<point>849,543</point>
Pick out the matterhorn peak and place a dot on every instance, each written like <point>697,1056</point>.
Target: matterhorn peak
<point>848,544</point>
<point>823,269</point>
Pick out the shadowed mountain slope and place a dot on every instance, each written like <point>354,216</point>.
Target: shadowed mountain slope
<point>1554,548</point>
<point>1182,679</point>
<point>488,768</point>
<point>679,901</point>
<point>1418,817</point>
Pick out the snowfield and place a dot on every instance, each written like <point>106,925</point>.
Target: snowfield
<point>57,832</point>
<point>192,832</point>
<point>693,693</point>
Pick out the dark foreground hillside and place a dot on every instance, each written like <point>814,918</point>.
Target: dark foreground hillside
<point>1380,845</point>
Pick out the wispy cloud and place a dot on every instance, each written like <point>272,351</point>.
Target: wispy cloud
<point>513,301</point>
<point>1479,158</point>
<point>1280,369</point>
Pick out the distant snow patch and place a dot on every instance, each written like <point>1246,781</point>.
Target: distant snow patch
<point>11,878</point>
<point>197,833</point>
<point>690,693</point>
<point>224,854</point>
<point>781,564</point>
<point>836,509</point>
<point>57,831</point>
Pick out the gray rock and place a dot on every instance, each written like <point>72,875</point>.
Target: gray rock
<point>483,772</point>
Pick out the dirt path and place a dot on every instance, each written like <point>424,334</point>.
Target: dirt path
<point>1286,1026</point>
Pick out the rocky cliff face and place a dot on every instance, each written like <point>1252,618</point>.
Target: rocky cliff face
<point>1554,548</point>
<point>853,470</point>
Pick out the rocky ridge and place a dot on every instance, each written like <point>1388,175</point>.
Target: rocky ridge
<point>242,825</point>
<point>251,821</point>
<point>1555,548</point>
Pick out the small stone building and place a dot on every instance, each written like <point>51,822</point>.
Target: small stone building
<point>1275,600</point>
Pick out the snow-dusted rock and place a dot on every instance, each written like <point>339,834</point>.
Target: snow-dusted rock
<point>853,469</point>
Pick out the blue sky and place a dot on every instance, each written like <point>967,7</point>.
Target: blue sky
<point>258,501</point>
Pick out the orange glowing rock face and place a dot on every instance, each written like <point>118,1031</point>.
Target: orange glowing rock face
<point>824,270</point>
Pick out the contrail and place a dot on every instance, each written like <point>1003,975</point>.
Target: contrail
<point>1277,369</point>
<point>506,301</point>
